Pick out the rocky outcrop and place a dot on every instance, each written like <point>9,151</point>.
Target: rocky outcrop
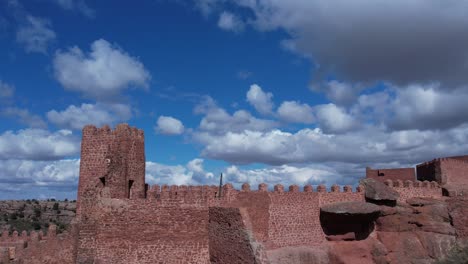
<point>379,193</point>
<point>348,220</point>
<point>458,211</point>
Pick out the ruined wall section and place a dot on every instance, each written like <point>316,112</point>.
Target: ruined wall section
<point>37,247</point>
<point>391,174</point>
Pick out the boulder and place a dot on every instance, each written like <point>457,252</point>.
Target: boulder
<point>340,219</point>
<point>379,193</point>
<point>351,208</point>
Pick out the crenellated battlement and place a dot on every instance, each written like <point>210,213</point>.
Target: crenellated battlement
<point>179,191</point>
<point>412,184</point>
<point>33,236</point>
<point>120,130</point>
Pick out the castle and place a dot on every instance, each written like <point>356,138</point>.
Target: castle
<point>121,219</point>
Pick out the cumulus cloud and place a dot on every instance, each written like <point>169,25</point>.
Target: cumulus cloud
<point>418,107</point>
<point>260,100</point>
<point>286,174</point>
<point>20,179</point>
<point>36,34</point>
<point>23,116</point>
<point>76,117</point>
<point>333,119</point>
<point>295,112</point>
<point>168,125</point>
<point>190,174</point>
<point>102,73</point>
<point>38,144</point>
<point>218,121</point>
<point>230,22</point>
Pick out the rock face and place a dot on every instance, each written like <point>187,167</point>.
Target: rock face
<point>458,210</point>
<point>379,193</point>
<point>351,208</point>
<point>348,220</point>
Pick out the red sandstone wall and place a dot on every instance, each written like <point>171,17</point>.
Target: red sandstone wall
<point>410,189</point>
<point>117,155</point>
<point>294,219</point>
<point>229,240</point>
<point>145,231</point>
<point>464,158</point>
<point>391,174</point>
<point>454,171</point>
<point>37,248</point>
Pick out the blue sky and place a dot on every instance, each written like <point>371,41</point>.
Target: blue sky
<point>291,92</point>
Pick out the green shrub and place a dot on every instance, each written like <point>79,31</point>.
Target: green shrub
<point>56,206</point>
<point>37,212</point>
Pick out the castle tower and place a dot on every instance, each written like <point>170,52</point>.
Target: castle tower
<point>112,163</point>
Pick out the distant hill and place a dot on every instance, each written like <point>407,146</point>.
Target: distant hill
<point>36,214</point>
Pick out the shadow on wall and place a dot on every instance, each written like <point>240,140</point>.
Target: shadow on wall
<point>347,225</point>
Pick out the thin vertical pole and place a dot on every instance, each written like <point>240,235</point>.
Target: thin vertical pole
<point>220,185</point>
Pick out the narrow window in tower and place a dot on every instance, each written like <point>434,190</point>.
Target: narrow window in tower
<point>103,181</point>
<point>146,189</point>
<point>130,183</point>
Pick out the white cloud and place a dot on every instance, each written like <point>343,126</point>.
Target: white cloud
<point>78,5</point>
<point>206,6</point>
<point>427,107</point>
<point>218,121</point>
<point>365,146</point>
<point>103,73</point>
<point>295,112</point>
<point>191,174</point>
<point>168,125</point>
<point>38,144</point>
<point>35,35</point>
<point>334,119</point>
<point>260,100</point>
<point>6,90</point>
<point>285,175</point>
<point>24,116</point>
<point>99,114</point>
<point>21,179</point>
<point>230,22</point>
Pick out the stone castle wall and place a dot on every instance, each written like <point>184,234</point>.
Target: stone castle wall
<point>120,219</point>
<point>444,170</point>
<point>403,174</point>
